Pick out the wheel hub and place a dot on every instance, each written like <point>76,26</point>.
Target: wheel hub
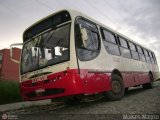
<point>116,87</point>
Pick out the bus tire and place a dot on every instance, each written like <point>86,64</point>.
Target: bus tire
<point>150,84</point>
<point>118,88</point>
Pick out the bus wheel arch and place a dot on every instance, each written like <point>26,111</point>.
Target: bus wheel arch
<point>117,85</point>
<point>151,75</point>
<point>151,80</point>
<point>116,72</point>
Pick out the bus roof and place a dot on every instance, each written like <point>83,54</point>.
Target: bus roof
<point>75,13</point>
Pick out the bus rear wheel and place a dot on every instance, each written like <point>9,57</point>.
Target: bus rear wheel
<point>118,88</point>
<point>150,84</point>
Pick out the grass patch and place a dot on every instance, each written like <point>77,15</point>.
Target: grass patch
<point>9,92</point>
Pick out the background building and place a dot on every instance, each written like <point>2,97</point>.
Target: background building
<point>9,70</point>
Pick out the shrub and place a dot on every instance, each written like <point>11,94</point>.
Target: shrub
<point>9,92</point>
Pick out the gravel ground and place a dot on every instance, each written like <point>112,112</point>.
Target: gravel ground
<point>136,104</point>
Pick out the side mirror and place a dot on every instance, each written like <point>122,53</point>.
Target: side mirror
<point>12,50</point>
<point>84,35</point>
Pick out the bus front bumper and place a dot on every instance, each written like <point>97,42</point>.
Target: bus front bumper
<point>66,83</point>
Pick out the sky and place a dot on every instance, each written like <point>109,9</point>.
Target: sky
<point>136,19</point>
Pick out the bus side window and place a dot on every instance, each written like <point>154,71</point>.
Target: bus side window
<point>141,55</point>
<point>133,51</point>
<point>87,40</point>
<point>151,57</point>
<point>109,42</point>
<point>124,48</point>
<point>146,55</point>
<point>154,57</point>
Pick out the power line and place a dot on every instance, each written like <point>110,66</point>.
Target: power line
<point>100,12</point>
<point>117,13</point>
<point>46,5</point>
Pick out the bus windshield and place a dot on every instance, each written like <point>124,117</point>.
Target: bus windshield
<point>51,47</point>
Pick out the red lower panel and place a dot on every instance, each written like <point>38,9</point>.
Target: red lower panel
<point>66,83</point>
<point>74,82</point>
<point>133,79</point>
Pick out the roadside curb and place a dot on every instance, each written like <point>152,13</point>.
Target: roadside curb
<point>19,105</point>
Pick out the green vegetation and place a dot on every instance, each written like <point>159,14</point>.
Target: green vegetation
<point>9,92</point>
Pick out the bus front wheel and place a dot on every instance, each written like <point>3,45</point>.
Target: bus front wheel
<point>118,89</point>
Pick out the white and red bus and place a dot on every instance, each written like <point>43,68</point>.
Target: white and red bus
<point>68,54</point>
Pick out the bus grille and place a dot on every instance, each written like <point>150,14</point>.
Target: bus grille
<point>47,92</point>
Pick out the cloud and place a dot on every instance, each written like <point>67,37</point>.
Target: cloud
<point>140,21</point>
<point>137,19</point>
